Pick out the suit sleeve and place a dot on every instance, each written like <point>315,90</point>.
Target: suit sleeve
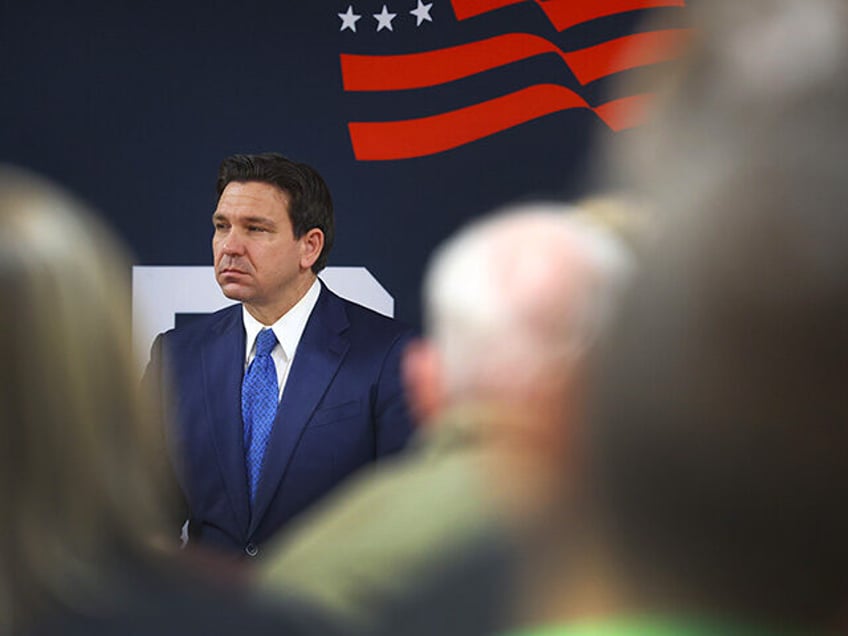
<point>393,421</point>
<point>157,387</point>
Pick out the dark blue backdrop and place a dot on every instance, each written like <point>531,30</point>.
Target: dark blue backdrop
<point>133,107</point>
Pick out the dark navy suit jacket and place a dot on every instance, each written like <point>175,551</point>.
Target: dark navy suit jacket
<point>342,407</point>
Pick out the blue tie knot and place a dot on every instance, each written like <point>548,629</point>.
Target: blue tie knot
<point>265,342</point>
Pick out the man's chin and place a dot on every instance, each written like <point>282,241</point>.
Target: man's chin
<point>233,291</point>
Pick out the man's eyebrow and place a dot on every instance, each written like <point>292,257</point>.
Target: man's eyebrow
<point>257,220</point>
<point>251,220</point>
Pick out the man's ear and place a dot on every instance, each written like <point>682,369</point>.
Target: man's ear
<point>422,377</point>
<point>311,245</point>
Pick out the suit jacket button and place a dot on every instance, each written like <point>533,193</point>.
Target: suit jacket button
<point>251,549</point>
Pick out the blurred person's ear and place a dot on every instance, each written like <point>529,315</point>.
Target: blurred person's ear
<point>422,377</point>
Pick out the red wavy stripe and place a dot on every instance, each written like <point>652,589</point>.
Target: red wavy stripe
<point>469,8</point>
<point>568,13</point>
<point>428,135</point>
<point>630,51</point>
<point>417,70</point>
<point>564,14</point>
<point>626,112</point>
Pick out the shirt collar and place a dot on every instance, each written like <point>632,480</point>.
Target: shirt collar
<point>288,328</point>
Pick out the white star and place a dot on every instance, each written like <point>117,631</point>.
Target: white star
<point>422,12</point>
<point>349,19</point>
<point>384,19</point>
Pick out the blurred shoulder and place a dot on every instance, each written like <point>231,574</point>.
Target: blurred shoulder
<point>164,601</point>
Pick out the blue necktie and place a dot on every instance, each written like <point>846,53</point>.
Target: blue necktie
<point>258,406</point>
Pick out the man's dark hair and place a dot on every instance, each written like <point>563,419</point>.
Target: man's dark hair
<point>310,203</point>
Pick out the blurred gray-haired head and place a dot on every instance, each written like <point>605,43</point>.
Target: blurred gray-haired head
<point>519,294</point>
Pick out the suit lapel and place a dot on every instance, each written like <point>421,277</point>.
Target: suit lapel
<point>321,350</point>
<point>223,369</point>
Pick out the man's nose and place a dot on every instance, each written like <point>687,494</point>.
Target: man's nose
<point>232,244</point>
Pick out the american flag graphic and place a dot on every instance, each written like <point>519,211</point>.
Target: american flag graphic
<point>389,72</point>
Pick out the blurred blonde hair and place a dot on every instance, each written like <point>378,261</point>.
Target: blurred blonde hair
<point>82,466</point>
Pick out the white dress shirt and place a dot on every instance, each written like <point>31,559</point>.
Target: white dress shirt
<point>288,329</point>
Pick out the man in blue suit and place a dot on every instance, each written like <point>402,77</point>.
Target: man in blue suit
<point>275,400</point>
